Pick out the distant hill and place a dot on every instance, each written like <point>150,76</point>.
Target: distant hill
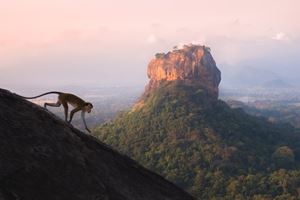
<point>251,77</point>
<point>276,84</point>
<point>182,131</point>
<point>44,158</point>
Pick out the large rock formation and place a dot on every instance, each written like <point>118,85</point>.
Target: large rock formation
<point>193,64</point>
<point>42,157</point>
<point>179,131</point>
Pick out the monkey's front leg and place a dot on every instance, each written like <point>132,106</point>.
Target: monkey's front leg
<point>88,130</point>
<point>83,119</point>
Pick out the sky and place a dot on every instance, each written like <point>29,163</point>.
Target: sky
<point>52,43</point>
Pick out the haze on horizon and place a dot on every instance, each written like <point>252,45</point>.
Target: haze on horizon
<point>110,42</point>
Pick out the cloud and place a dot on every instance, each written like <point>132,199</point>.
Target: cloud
<point>181,45</point>
<point>151,39</point>
<point>199,41</point>
<point>280,37</point>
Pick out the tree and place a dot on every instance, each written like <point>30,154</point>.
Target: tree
<point>284,157</point>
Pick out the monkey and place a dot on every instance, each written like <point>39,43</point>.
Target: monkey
<point>65,99</point>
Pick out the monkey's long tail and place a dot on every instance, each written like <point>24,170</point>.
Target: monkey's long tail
<point>53,92</point>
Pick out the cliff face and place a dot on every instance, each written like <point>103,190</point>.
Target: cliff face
<point>42,157</point>
<point>191,65</point>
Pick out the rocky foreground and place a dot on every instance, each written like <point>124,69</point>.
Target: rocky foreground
<point>43,158</point>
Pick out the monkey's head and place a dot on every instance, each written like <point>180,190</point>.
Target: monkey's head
<point>88,107</point>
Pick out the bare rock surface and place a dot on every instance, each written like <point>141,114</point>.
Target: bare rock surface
<point>193,65</point>
<point>43,158</point>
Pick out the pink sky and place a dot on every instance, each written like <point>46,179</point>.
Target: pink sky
<point>42,39</point>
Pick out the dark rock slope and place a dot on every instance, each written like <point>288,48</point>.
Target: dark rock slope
<point>41,158</point>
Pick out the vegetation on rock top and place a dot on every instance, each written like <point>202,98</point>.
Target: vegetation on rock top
<point>204,146</point>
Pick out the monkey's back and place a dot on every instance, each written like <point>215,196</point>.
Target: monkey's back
<point>71,99</point>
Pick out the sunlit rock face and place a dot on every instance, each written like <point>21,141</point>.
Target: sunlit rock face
<point>193,64</point>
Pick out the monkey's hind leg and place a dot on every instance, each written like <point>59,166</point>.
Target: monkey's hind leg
<point>73,112</point>
<point>65,105</point>
<point>57,104</point>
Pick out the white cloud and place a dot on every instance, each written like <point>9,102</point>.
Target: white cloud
<point>180,45</point>
<point>151,39</point>
<point>280,36</point>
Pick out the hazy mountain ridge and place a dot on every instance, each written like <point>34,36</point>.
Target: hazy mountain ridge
<point>249,77</point>
<point>273,111</point>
